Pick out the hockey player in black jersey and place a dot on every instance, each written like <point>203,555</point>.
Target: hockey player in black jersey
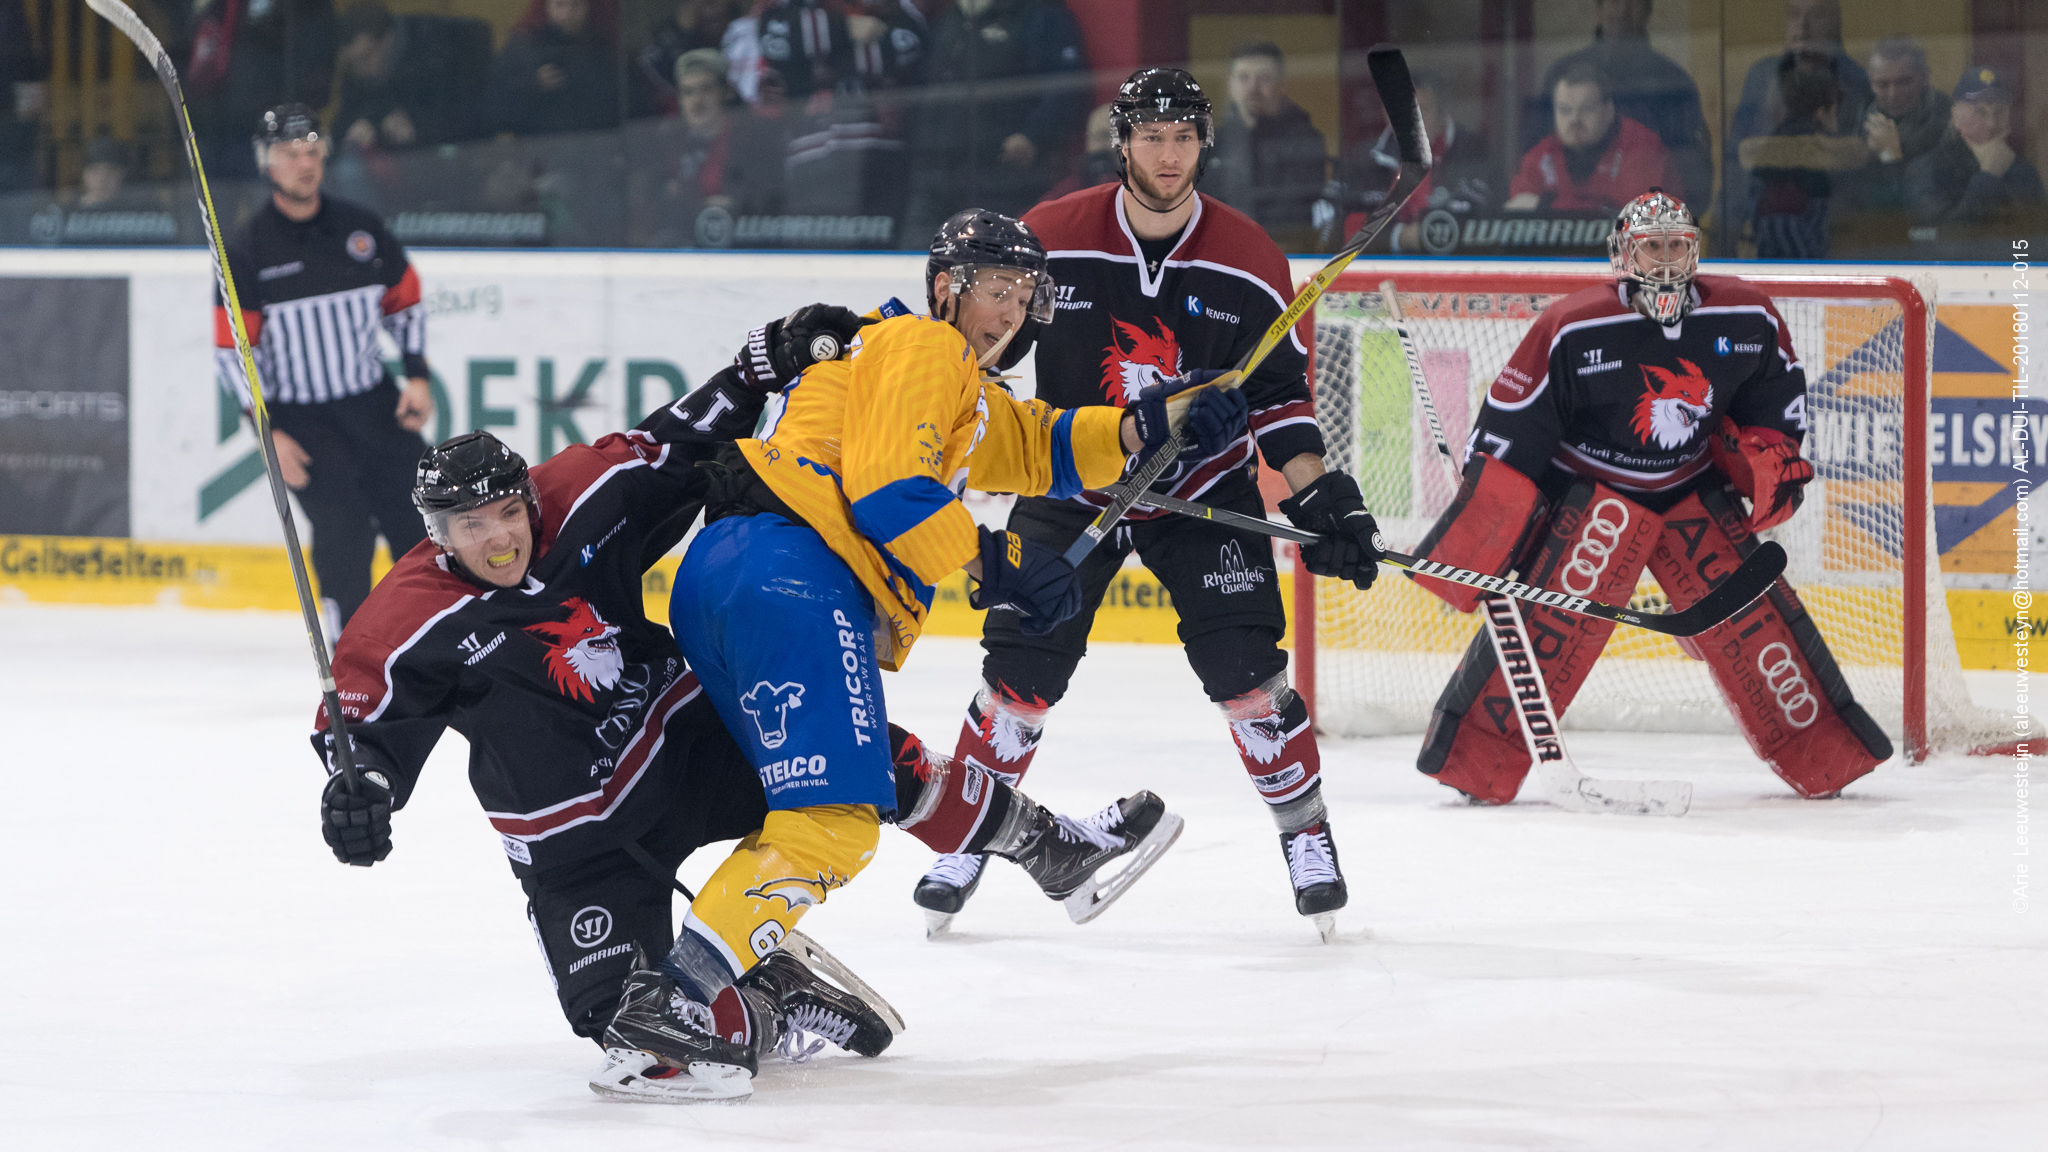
<point>1624,433</point>
<point>1156,280</point>
<point>318,278</point>
<point>596,756</point>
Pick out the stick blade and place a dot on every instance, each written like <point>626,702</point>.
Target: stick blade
<point>1754,577</point>
<point>1397,95</point>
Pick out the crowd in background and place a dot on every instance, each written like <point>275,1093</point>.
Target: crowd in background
<point>863,123</point>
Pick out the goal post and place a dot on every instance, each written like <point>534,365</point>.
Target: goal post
<point>1862,546</point>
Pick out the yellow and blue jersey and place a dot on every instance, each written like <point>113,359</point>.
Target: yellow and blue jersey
<point>872,451</point>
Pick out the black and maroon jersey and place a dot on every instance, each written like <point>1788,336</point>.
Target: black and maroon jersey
<point>314,294</point>
<point>1599,390</point>
<point>571,699</point>
<point>1117,327</point>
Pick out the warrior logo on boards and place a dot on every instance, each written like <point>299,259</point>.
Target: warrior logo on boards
<point>583,651</point>
<point>1136,359</point>
<point>1673,404</point>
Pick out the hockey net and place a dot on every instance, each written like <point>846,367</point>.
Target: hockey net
<point>1861,548</point>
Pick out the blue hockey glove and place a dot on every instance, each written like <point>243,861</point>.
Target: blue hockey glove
<point>1027,578</point>
<point>1352,546</point>
<point>1215,416</point>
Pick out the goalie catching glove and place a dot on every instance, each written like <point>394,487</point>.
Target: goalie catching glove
<point>1214,416</point>
<point>1028,578</point>
<point>357,825</point>
<point>1351,545</point>
<point>779,351</point>
<point>1764,464</point>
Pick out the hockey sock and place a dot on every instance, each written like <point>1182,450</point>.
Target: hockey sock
<point>760,891</point>
<point>1277,743</point>
<point>1001,732</point>
<point>959,805</point>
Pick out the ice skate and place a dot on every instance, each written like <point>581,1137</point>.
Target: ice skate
<point>945,887</point>
<point>810,1006</point>
<point>1064,853</point>
<point>660,1047</point>
<point>1318,883</point>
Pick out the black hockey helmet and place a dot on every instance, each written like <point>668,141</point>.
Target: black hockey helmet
<point>979,239</point>
<point>282,124</point>
<point>465,472</point>
<point>1155,95</point>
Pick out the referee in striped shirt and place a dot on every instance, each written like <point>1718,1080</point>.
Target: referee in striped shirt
<point>317,277</point>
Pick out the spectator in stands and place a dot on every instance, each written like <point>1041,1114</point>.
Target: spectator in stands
<point>1097,163</point>
<point>104,174</point>
<point>716,155</point>
<point>846,76</point>
<point>22,68</point>
<point>1811,26</point>
<point>1792,172</point>
<point>1463,178</point>
<point>1007,100</point>
<point>1906,121</point>
<point>1270,162</point>
<point>1973,181</point>
<point>1596,160</point>
<point>558,71</point>
<point>248,56</point>
<point>1648,87</point>
<point>694,24</point>
<point>407,82</point>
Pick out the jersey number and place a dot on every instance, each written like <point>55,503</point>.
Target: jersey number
<point>707,423</point>
<point>1795,413</point>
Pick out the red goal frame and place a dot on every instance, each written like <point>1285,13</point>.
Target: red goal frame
<point>1915,352</point>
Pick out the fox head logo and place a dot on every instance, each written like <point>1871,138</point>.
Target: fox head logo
<point>1673,404</point>
<point>583,651</point>
<point>1260,738</point>
<point>769,705</point>
<point>1136,360</point>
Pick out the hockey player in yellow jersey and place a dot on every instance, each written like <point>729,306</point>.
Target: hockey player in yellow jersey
<point>817,568</point>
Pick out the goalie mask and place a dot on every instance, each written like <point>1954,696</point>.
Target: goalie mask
<point>1160,95</point>
<point>465,473</point>
<point>991,255</point>
<point>1655,250</point>
<point>285,124</point>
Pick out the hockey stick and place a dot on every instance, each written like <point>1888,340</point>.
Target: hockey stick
<point>1736,591</point>
<point>1397,96</point>
<point>123,17</point>
<point>1562,783</point>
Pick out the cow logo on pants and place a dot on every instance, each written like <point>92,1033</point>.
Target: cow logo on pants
<point>769,705</point>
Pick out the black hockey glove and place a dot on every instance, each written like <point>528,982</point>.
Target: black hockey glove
<point>1352,546</point>
<point>1028,578</point>
<point>778,351</point>
<point>1215,416</point>
<point>357,825</point>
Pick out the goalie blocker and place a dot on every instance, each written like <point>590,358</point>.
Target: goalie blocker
<point>1768,660</point>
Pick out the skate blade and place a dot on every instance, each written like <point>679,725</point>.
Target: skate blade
<point>1627,797</point>
<point>813,956</point>
<point>936,923</point>
<point>623,1078</point>
<point>1093,899</point>
<point>1326,925</point>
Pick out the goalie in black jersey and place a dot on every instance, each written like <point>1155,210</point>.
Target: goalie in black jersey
<point>1625,433</point>
<point>598,759</point>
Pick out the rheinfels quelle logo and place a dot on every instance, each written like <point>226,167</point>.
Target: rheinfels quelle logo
<point>1136,359</point>
<point>1673,404</point>
<point>583,651</point>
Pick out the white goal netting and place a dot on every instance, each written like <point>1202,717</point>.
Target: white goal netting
<point>1381,658</point>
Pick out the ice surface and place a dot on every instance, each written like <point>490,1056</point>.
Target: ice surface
<point>183,965</point>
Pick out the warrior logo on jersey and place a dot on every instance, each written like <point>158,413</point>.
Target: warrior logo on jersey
<point>1673,404</point>
<point>583,651</point>
<point>1135,360</point>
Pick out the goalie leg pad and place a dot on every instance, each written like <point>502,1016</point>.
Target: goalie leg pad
<point>1595,545</point>
<point>1487,525</point>
<point>1769,660</point>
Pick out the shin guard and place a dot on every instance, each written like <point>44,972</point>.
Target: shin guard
<point>1768,660</point>
<point>1596,544</point>
<point>949,805</point>
<point>1274,738</point>
<point>755,897</point>
<point>1001,732</point>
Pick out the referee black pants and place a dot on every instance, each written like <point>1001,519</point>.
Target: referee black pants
<point>359,485</point>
